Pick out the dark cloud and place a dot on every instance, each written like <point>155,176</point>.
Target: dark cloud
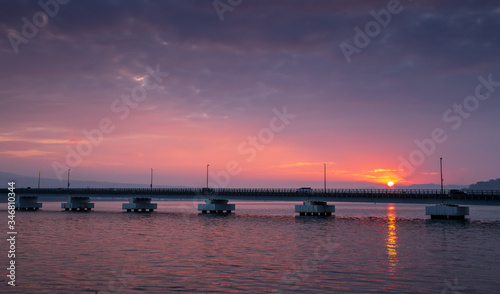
<point>264,54</point>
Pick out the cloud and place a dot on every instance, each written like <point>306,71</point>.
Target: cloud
<point>26,153</point>
<point>226,77</point>
<point>33,140</point>
<point>302,164</point>
<point>380,170</point>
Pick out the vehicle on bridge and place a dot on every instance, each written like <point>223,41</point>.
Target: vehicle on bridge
<point>207,191</point>
<point>457,192</point>
<point>306,190</point>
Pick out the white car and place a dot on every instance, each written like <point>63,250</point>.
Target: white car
<point>304,190</point>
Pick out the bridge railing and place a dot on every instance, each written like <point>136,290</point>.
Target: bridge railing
<point>277,192</point>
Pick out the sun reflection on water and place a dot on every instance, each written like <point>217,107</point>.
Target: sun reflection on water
<point>391,241</point>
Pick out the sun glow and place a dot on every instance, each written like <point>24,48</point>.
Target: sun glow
<point>390,183</point>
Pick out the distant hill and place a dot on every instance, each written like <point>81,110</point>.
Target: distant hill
<point>24,182</point>
<point>489,185</point>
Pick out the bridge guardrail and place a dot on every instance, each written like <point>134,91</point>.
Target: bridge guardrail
<point>278,192</point>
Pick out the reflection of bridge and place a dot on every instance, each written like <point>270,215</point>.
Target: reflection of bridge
<point>331,195</point>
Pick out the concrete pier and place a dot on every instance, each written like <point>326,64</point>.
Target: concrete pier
<point>27,203</point>
<point>216,206</point>
<point>139,204</point>
<point>78,203</point>
<point>315,208</point>
<point>447,211</point>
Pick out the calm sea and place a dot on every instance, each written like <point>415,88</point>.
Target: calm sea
<point>261,248</point>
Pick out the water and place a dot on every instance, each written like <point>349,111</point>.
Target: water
<point>262,248</point>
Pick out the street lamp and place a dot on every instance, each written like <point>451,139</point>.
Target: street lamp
<point>441,167</point>
<point>151,185</point>
<point>324,164</point>
<point>38,180</point>
<point>68,177</point>
<point>207,175</point>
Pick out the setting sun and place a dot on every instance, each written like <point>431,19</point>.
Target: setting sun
<point>390,183</point>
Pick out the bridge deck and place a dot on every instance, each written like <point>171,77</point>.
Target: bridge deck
<point>332,195</point>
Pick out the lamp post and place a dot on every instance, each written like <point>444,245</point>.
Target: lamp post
<point>207,175</point>
<point>441,167</point>
<point>68,177</point>
<point>151,185</point>
<point>324,164</point>
<point>38,180</point>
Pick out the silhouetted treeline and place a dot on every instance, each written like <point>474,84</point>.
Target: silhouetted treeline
<point>489,185</point>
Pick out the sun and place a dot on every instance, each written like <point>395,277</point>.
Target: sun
<point>390,183</point>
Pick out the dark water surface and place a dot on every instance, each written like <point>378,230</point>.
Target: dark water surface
<point>262,248</point>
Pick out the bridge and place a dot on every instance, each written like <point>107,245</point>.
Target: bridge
<point>420,196</point>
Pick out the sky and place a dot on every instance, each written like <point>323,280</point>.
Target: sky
<point>267,93</point>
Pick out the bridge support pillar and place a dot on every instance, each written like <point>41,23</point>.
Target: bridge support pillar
<point>216,206</point>
<point>78,203</point>
<point>447,211</point>
<point>27,203</point>
<point>315,208</point>
<point>140,204</point>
